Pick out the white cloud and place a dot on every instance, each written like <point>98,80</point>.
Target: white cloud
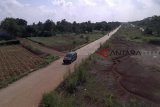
<point>61,3</point>
<point>80,10</point>
<point>13,8</point>
<point>110,3</point>
<point>13,3</point>
<point>89,2</point>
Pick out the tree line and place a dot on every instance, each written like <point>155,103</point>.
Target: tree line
<point>19,27</point>
<point>150,25</point>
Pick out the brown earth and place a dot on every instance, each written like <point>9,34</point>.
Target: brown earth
<point>41,47</point>
<point>28,91</point>
<point>133,81</point>
<point>138,75</point>
<point>15,61</point>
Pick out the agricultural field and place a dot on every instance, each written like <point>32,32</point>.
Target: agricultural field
<point>65,42</point>
<point>15,62</point>
<point>120,81</point>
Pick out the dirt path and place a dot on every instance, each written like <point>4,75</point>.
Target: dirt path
<point>28,91</point>
<point>40,47</point>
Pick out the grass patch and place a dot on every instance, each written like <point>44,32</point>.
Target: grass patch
<point>50,58</point>
<point>135,34</point>
<point>78,77</point>
<point>33,50</point>
<point>78,85</point>
<point>66,42</point>
<point>130,33</point>
<point>72,81</point>
<point>53,99</point>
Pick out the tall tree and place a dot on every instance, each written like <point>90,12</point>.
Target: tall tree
<point>10,25</point>
<point>16,27</point>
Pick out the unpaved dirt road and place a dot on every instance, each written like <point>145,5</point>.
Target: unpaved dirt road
<point>28,91</point>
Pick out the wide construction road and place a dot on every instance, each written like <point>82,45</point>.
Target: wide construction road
<point>28,91</point>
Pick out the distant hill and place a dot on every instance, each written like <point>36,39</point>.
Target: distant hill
<point>150,24</point>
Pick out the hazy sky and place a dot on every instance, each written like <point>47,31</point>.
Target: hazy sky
<point>79,10</point>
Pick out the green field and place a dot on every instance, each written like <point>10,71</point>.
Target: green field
<point>135,34</point>
<point>65,42</point>
<point>94,83</point>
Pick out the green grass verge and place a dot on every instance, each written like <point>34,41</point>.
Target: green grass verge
<point>50,58</point>
<point>53,99</point>
<point>72,81</point>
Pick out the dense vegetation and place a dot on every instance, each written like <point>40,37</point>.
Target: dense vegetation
<point>128,32</point>
<point>19,27</point>
<point>151,25</point>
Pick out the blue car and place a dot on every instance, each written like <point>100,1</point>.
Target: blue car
<point>70,57</point>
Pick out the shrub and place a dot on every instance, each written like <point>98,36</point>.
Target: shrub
<point>82,36</point>
<point>148,31</point>
<point>109,100</point>
<point>81,76</point>
<point>74,42</point>
<point>154,41</point>
<point>44,33</point>
<point>78,77</point>
<point>50,58</point>
<point>75,79</point>
<point>54,99</point>
<point>51,100</point>
<point>87,39</point>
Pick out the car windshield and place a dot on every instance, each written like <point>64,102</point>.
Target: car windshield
<point>68,55</point>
